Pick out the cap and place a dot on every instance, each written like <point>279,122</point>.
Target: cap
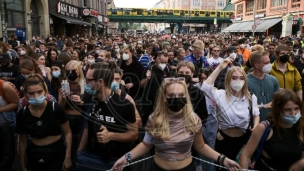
<point>58,63</point>
<point>4,57</point>
<point>166,43</point>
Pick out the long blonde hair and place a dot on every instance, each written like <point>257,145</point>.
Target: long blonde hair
<point>160,123</point>
<point>228,89</point>
<point>77,66</point>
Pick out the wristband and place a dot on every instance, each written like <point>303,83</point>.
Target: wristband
<point>128,157</point>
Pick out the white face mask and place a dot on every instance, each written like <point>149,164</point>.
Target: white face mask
<point>242,46</point>
<point>22,52</point>
<point>267,68</point>
<point>237,85</point>
<point>97,51</point>
<point>162,66</point>
<point>125,57</point>
<point>303,55</point>
<point>91,61</point>
<point>233,56</point>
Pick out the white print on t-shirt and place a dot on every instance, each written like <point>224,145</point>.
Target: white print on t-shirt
<point>6,74</point>
<point>106,118</point>
<point>214,62</point>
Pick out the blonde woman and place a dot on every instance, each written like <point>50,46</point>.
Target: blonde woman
<point>173,128</point>
<point>233,106</point>
<point>72,102</point>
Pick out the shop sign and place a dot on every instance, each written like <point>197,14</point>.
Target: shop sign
<point>67,9</point>
<point>100,19</point>
<point>90,12</point>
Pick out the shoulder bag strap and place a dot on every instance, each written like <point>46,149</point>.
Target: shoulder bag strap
<point>250,112</point>
<point>263,139</point>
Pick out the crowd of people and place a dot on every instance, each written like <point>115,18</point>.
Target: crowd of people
<point>123,97</point>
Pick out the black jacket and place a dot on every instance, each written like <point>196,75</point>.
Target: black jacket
<point>198,101</point>
<point>7,145</point>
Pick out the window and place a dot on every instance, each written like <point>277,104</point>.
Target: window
<point>179,2</point>
<point>15,5</point>
<point>208,4</point>
<point>196,2</point>
<point>275,3</point>
<point>220,3</point>
<point>85,3</point>
<point>15,19</point>
<point>261,4</point>
<point>239,9</point>
<point>213,3</point>
<point>205,4</point>
<point>185,2</point>
<point>249,6</point>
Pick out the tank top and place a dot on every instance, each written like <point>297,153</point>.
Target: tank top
<point>284,148</point>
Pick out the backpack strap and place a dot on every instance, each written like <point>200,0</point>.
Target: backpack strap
<point>250,112</point>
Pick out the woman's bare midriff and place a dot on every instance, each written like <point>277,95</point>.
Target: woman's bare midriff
<point>172,165</point>
<point>233,132</point>
<point>72,112</point>
<point>45,141</point>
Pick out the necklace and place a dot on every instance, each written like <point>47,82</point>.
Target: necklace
<point>97,113</point>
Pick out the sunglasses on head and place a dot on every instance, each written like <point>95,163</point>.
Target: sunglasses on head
<point>171,80</point>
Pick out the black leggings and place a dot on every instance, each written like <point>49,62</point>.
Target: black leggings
<point>190,167</point>
<point>46,158</point>
<point>230,146</point>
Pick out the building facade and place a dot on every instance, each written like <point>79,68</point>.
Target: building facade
<point>78,17</point>
<point>273,13</point>
<point>27,18</point>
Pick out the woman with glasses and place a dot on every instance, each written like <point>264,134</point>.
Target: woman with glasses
<point>47,125</point>
<point>72,102</point>
<point>233,105</point>
<point>173,128</point>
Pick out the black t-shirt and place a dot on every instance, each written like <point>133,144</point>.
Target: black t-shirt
<point>300,66</point>
<point>11,72</point>
<point>47,125</point>
<point>198,101</point>
<point>157,76</point>
<point>114,115</point>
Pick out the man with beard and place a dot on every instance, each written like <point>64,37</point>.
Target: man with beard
<point>8,70</point>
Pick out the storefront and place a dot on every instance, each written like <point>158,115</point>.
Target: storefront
<point>65,19</point>
<point>91,16</point>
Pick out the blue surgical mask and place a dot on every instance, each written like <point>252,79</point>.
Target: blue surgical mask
<point>88,89</point>
<point>25,76</point>
<point>292,119</point>
<point>37,101</point>
<point>56,74</point>
<point>114,86</point>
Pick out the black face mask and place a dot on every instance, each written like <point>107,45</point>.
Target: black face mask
<point>187,78</point>
<point>176,104</point>
<point>72,75</point>
<point>284,58</point>
<point>139,51</point>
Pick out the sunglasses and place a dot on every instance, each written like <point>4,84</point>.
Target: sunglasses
<point>216,50</point>
<point>171,80</point>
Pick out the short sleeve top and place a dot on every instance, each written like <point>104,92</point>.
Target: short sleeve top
<point>48,124</point>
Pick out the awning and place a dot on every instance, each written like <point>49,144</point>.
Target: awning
<point>73,20</point>
<point>266,24</point>
<point>247,28</point>
<point>240,27</point>
<point>229,28</point>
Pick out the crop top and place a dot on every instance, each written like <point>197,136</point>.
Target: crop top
<point>233,114</point>
<point>46,125</point>
<point>178,147</point>
<point>284,148</point>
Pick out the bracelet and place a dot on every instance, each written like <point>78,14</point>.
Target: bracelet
<point>128,157</point>
<point>222,160</point>
<point>219,158</point>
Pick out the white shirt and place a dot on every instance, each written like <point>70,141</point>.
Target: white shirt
<point>234,113</point>
<point>214,62</point>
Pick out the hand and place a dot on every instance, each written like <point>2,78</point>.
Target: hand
<point>67,163</point>
<point>122,82</point>
<point>62,93</point>
<point>103,136</point>
<point>76,98</point>
<point>148,74</point>
<point>196,80</point>
<point>297,166</point>
<point>232,165</point>
<point>225,63</point>
<point>119,163</point>
<point>267,106</point>
<point>129,85</point>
